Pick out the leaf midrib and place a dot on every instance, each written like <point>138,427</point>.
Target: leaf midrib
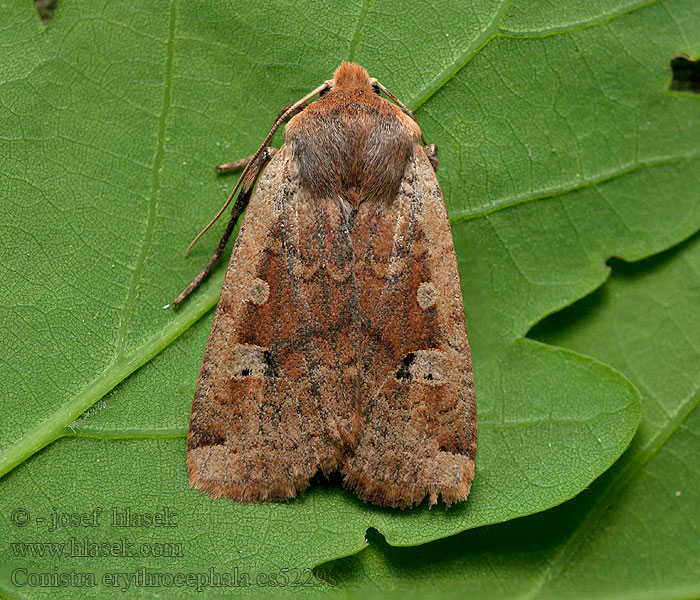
<point>139,433</point>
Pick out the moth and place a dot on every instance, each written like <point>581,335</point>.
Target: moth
<point>339,341</point>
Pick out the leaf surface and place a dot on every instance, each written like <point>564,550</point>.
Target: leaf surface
<point>634,532</point>
<point>560,146</point>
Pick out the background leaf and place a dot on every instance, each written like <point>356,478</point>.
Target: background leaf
<point>560,145</point>
<point>634,533</point>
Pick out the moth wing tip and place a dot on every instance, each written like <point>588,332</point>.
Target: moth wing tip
<point>390,495</point>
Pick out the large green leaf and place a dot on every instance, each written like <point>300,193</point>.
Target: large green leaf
<point>553,126</point>
<point>635,532</point>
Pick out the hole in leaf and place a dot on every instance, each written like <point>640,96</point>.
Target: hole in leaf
<point>46,9</point>
<point>686,75</point>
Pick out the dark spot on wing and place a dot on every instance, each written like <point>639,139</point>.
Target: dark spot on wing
<point>404,370</point>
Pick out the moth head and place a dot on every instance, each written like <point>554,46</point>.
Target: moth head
<point>351,75</point>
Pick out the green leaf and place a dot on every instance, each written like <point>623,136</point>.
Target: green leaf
<point>554,127</point>
<point>634,533</point>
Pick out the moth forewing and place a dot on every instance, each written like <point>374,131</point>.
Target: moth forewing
<point>339,341</point>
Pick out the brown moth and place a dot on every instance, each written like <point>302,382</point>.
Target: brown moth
<point>339,341</point>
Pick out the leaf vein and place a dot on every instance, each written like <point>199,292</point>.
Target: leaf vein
<point>565,189</point>
<point>633,466</point>
<point>155,186</point>
<point>357,34</point>
<point>580,26</point>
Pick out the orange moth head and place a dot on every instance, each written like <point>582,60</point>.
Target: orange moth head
<point>351,75</point>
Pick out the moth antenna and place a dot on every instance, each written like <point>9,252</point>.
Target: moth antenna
<point>400,104</point>
<point>280,120</point>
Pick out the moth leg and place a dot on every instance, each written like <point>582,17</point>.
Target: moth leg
<point>431,151</point>
<point>243,162</point>
<point>238,207</point>
<point>235,165</point>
